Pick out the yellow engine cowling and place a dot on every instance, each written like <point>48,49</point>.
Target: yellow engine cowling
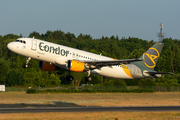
<point>75,66</point>
<point>46,66</point>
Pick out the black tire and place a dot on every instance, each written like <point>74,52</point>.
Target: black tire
<point>69,78</point>
<point>89,79</point>
<point>25,66</point>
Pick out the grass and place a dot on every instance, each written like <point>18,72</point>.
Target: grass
<point>21,99</point>
<point>93,116</point>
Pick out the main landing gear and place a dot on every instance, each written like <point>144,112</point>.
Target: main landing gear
<point>27,61</point>
<point>69,77</point>
<point>88,78</point>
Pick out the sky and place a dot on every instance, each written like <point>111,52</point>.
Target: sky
<point>134,18</point>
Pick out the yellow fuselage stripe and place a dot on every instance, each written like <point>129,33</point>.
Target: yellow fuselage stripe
<point>126,70</point>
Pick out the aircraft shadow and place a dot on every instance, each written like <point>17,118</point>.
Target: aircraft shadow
<point>52,104</point>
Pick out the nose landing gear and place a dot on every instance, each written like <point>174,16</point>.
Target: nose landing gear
<point>27,61</point>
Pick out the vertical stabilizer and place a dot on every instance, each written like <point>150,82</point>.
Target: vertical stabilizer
<point>150,57</point>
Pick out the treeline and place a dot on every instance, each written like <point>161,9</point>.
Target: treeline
<point>12,72</point>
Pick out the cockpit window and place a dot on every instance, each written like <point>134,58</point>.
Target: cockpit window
<point>21,41</point>
<point>17,41</point>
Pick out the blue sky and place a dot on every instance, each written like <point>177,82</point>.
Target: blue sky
<point>134,18</point>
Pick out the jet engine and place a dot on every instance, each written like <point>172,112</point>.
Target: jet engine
<point>46,66</point>
<point>76,66</point>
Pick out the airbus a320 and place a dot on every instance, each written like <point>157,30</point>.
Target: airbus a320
<point>52,56</point>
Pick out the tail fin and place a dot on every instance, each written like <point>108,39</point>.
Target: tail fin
<point>150,57</point>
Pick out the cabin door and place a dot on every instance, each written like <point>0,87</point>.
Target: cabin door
<point>33,44</point>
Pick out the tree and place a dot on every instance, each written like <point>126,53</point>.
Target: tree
<point>4,68</point>
<point>136,53</point>
<point>118,83</point>
<point>78,77</point>
<point>13,78</point>
<point>34,34</point>
<point>146,82</point>
<point>53,80</point>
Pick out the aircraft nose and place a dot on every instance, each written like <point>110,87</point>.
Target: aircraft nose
<point>10,46</point>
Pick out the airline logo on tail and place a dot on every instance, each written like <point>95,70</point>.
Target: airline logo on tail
<point>150,57</point>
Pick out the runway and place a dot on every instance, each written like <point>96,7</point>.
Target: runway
<point>90,109</point>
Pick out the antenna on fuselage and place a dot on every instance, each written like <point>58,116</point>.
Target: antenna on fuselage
<point>33,37</point>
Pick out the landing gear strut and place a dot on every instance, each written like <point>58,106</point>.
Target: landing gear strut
<point>27,61</point>
<point>88,78</point>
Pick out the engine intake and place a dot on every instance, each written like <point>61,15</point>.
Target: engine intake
<point>46,66</point>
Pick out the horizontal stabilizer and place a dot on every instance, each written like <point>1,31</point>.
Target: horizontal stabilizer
<point>154,73</point>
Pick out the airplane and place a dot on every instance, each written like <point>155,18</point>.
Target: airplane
<point>52,56</point>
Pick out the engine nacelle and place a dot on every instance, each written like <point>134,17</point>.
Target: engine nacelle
<point>46,66</point>
<point>76,66</point>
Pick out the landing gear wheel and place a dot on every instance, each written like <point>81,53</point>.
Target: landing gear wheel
<point>69,78</point>
<point>88,78</point>
<point>25,66</point>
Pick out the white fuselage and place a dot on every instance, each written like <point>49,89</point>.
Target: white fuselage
<point>50,52</point>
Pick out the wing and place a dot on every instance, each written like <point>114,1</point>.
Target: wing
<point>109,63</point>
